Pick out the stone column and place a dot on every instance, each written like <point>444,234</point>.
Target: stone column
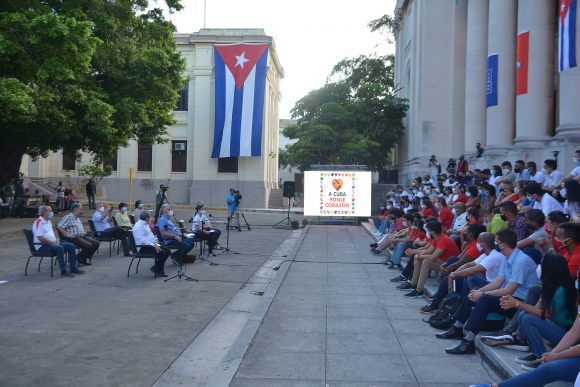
<point>502,40</point>
<point>534,110</point>
<point>476,60</point>
<point>569,86</point>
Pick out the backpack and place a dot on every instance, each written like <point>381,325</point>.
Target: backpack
<point>443,318</point>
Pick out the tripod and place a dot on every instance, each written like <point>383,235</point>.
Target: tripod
<point>180,271</point>
<point>235,215</point>
<point>287,218</point>
<point>227,250</point>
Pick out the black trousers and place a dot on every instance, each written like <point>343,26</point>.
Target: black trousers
<point>87,244</point>
<point>160,258</point>
<point>119,233</point>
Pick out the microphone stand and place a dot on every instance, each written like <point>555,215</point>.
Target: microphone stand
<point>180,271</point>
<point>227,250</point>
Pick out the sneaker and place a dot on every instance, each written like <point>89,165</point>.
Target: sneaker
<point>528,359</point>
<point>66,274</point>
<point>499,335</point>
<point>77,271</point>
<point>413,294</point>
<point>518,344</point>
<point>428,308</point>
<point>405,286</point>
<point>531,366</point>
<point>395,266</point>
<point>376,252</point>
<point>373,245</point>
<point>219,247</point>
<point>399,278</point>
<point>482,385</point>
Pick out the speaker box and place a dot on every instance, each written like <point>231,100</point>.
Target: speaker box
<point>289,189</point>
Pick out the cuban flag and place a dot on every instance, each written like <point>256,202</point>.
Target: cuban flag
<point>240,83</point>
<point>567,35</point>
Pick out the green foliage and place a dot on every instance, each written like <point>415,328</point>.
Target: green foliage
<point>355,118</point>
<point>96,171</point>
<point>84,75</point>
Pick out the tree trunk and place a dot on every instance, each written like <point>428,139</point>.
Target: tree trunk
<point>10,160</point>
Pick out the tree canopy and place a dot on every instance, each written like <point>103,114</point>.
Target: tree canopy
<point>355,118</point>
<point>84,75</point>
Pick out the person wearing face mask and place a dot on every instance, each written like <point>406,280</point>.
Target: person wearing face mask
<point>522,174</point>
<point>553,176</point>
<point>445,215</point>
<point>575,173</point>
<point>516,277</point>
<point>471,274</point>
<point>401,241</point>
<point>531,245</point>
<point>507,174</point>
<point>473,200</point>
<point>122,217</point>
<point>568,235</point>
<point>46,242</point>
<point>516,222</point>
<point>138,209</point>
<point>535,175</point>
<point>542,201</point>
<point>459,211</point>
<point>506,194</point>
<point>427,209</point>
<point>102,221</point>
<point>72,231</point>
<point>445,248</point>
<point>204,229</point>
<point>172,236</point>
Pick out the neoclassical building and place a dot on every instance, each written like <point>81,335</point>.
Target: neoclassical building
<point>184,162</point>
<point>442,48</point>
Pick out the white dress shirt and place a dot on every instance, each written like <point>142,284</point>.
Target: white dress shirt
<point>143,235</point>
<point>554,178</point>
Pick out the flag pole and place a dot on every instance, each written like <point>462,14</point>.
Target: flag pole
<point>204,12</point>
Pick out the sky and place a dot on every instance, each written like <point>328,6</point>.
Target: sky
<point>311,36</point>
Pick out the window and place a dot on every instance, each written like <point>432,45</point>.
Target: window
<point>68,162</point>
<point>228,165</point>
<point>112,161</point>
<point>178,156</point>
<point>145,158</point>
<point>181,104</point>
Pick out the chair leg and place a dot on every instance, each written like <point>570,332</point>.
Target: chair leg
<point>110,249</point>
<point>137,268</point>
<point>26,268</point>
<point>39,262</point>
<point>52,266</point>
<point>129,269</point>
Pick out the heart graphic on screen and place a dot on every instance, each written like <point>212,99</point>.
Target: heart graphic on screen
<point>337,184</point>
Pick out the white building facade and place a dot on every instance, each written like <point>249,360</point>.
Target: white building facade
<point>441,64</point>
<point>184,162</point>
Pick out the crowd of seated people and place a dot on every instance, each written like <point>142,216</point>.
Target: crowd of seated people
<point>506,242</point>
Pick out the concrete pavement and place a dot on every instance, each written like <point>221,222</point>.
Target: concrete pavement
<point>336,320</point>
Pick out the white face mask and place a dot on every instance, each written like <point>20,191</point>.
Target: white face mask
<point>428,234</point>
<point>479,247</point>
<point>405,223</point>
<point>424,206</point>
<point>454,211</point>
<point>101,209</point>
<point>539,271</point>
<point>141,205</point>
<point>170,213</point>
<point>124,209</point>
<point>468,194</point>
<point>506,171</point>
<point>202,212</point>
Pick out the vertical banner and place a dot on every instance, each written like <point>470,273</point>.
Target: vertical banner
<point>491,80</point>
<point>567,35</point>
<point>523,53</point>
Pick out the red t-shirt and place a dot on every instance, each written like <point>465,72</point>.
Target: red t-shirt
<point>428,212</point>
<point>399,224</point>
<point>446,217</point>
<point>448,246</point>
<point>418,234</point>
<point>515,198</point>
<point>461,198</point>
<point>472,251</point>
<point>573,261</point>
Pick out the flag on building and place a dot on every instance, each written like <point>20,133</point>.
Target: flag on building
<point>567,35</point>
<point>240,82</point>
<point>523,51</point>
<point>491,81</point>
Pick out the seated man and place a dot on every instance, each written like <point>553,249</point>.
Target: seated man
<point>445,248</point>
<point>43,233</point>
<point>72,231</point>
<point>145,238</point>
<point>205,230</point>
<point>102,220</point>
<point>420,246</point>
<point>391,239</point>
<point>172,236</point>
<point>405,241</point>
<point>460,221</point>
<point>517,276</point>
<point>122,217</point>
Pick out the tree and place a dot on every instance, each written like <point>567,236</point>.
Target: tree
<point>96,171</point>
<point>355,118</point>
<point>84,76</point>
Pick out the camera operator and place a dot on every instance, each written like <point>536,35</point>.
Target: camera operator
<point>205,230</point>
<point>172,236</point>
<point>232,205</point>
<point>159,198</point>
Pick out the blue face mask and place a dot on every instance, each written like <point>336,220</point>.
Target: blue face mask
<point>526,170</point>
<point>576,161</point>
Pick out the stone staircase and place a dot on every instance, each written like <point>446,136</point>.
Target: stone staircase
<point>276,199</point>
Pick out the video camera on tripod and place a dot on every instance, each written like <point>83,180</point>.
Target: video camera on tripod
<point>237,198</point>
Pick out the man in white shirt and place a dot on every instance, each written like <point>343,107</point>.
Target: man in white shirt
<point>542,201</point>
<point>102,221</point>
<point>535,175</point>
<point>205,230</point>
<point>460,219</point>
<point>575,173</point>
<point>147,243</point>
<point>553,176</point>
<point>45,241</point>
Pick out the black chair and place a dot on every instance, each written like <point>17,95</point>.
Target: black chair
<point>138,255</point>
<point>104,238</point>
<point>132,219</point>
<point>115,221</point>
<point>161,241</point>
<point>40,254</point>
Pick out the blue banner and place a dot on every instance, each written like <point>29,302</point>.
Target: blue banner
<point>491,80</point>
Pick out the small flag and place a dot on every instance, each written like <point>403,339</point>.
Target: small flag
<point>567,35</point>
<point>240,83</point>
<point>491,81</point>
<point>523,51</point>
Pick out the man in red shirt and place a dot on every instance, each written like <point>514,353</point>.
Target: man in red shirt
<point>445,214</point>
<point>445,248</point>
<point>569,235</point>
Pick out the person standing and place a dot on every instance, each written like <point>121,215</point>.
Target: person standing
<point>60,196</point>
<point>72,230</point>
<point>91,190</point>
<point>47,242</point>
<point>434,168</point>
<point>8,191</point>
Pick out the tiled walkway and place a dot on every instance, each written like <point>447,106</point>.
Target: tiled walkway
<point>338,321</point>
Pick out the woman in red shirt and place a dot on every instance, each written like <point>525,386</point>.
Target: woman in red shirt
<point>427,209</point>
<point>460,190</point>
<point>472,195</point>
<point>445,214</point>
<point>555,218</point>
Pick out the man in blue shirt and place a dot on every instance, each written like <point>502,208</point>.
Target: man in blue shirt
<point>172,236</point>
<point>231,202</point>
<point>102,221</point>
<point>517,276</point>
